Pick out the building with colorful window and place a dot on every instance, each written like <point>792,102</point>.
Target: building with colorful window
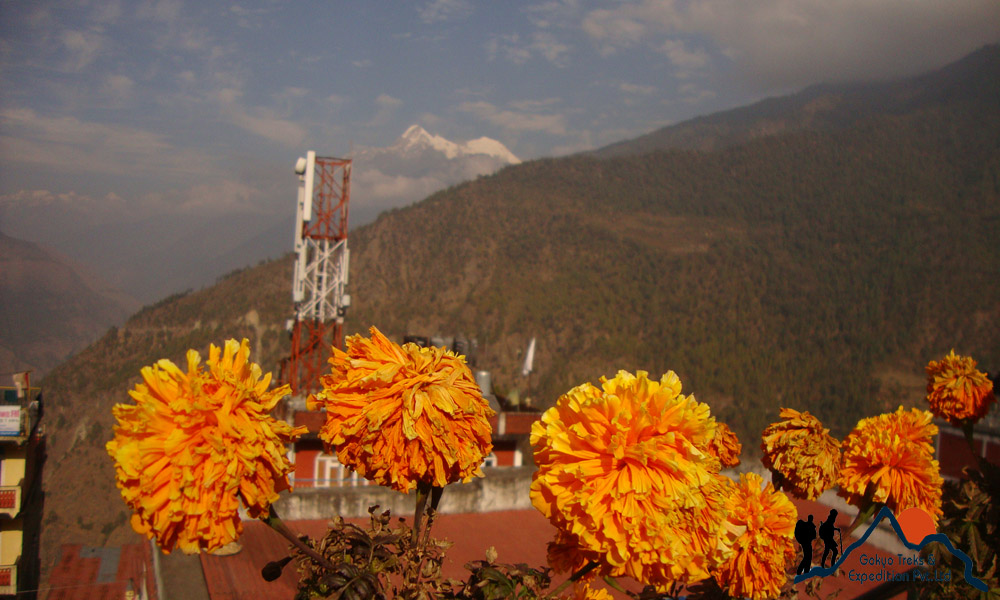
<point>22,454</point>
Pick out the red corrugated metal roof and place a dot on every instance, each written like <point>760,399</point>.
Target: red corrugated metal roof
<point>87,573</point>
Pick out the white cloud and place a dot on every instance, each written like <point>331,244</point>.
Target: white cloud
<point>535,105</point>
<point>682,57</point>
<point>387,107</point>
<point>336,100</point>
<point>554,13</point>
<point>221,196</point>
<point>249,18</point>
<point>615,27</point>
<point>166,11</point>
<point>107,12</point>
<point>778,43</point>
<point>190,39</point>
<point>376,189</point>
<point>549,47</point>
<point>508,46</point>
<point>260,121</point>
<point>635,94</point>
<point>431,121</point>
<point>32,199</point>
<point>519,50</point>
<point>692,93</point>
<point>444,10</point>
<point>41,213</point>
<point>265,124</point>
<point>290,94</point>
<point>83,48</point>
<point>387,101</point>
<point>632,88</point>
<point>70,144</point>
<point>118,86</point>
<point>516,121</point>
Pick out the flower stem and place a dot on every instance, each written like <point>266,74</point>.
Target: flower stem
<point>274,522</point>
<point>423,490</point>
<point>576,576</point>
<point>435,495</point>
<point>611,581</point>
<point>967,426</point>
<point>432,512</point>
<point>865,512</point>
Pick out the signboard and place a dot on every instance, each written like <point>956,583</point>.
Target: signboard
<point>10,420</point>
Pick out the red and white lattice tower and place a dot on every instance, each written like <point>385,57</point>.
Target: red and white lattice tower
<point>320,273</point>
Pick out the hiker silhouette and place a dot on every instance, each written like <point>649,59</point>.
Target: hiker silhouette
<point>826,529</point>
<point>805,533</point>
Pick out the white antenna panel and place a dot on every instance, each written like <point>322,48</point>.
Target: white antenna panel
<point>308,191</point>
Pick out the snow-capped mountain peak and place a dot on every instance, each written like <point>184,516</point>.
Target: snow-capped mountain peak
<point>417,138</point>
<point>491,147</point>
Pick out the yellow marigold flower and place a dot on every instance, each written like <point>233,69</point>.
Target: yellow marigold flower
<point>766,545</point>
<point>956,390</point>
<point>625,468</point>
<point>801,454</point>
<point>726,446</point>
<point>894,454</point>
<point>400,415</point>
<point>195,443</point>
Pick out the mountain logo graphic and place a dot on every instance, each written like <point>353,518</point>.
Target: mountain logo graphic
<point>913,523</point>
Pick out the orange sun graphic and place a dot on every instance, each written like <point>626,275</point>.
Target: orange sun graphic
<point>916,524</point>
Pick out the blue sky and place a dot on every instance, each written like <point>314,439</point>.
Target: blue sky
<point>179,105</point>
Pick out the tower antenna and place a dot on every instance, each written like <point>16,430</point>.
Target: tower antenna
<point>320,274</point>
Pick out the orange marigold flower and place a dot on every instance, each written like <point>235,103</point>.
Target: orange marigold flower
<point>801,454</point>
<point>766,518</point>
<point>400,415</point>
<point>893,454</point>
<point>625,468</point>
<point>583,591</point>
<point>956,390</point>
<point>726,446</point>
<point>195,443</point>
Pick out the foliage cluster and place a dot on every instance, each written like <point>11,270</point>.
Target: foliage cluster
<point>387,561</point>
<point>972,521</point>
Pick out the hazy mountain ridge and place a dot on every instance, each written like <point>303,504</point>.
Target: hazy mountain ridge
<point>48,308</point>
<point>816,269</point>
<point>826,107</point>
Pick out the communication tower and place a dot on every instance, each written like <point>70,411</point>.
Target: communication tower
<point>320,272</point>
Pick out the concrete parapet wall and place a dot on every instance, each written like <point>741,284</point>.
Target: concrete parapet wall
<point>502,489</point>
